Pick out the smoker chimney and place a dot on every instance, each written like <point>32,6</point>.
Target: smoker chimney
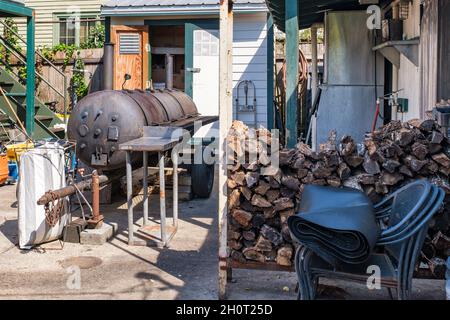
<point>169,71</point>
<point>108,66</point>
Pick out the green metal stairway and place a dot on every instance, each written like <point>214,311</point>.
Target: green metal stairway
<point>42,123</point>
<point>45,119</point>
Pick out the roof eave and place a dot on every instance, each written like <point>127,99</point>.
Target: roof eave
<point>178,10</point>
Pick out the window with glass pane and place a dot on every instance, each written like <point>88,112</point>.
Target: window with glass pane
<point>66,31</point>
<point>77,32</point>
<point>87,29</point>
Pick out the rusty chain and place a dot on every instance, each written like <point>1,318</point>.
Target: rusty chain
<point>53,209</point>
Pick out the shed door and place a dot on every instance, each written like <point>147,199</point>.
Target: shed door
<point>206,79</point>
<point>131,57</point>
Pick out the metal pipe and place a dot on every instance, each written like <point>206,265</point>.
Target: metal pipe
<point>169,71</point>
<point>97,219</point>
<point>108,66</point>
<point>70,190</point>
<point>95,194</point>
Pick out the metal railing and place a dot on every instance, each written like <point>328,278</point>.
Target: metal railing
<point>19,55</point>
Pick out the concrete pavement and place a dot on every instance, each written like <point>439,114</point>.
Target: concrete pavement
<point>185,270</point>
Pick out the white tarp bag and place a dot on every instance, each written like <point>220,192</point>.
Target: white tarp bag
<point>40,170</point>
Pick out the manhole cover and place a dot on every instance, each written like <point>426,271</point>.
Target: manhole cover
<point>81,262</point>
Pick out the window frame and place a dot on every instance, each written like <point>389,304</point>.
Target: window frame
<point>79,16</point>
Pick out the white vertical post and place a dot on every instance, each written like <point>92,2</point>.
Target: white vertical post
<point>145,186</point>
<point>162,197</point>
<point>394,89</point>
<point>175,187</point>
<point>129,169</point>
<point>225,120</point>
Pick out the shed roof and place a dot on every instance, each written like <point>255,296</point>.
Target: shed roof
<point>310,11</point>
<point>146,7</point>
<point>126,3</point>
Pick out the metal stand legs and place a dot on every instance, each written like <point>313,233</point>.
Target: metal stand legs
<point>163,241</point>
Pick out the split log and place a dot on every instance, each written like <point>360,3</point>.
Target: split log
<point>371,166</point>
<point>249,235</point>
<point>442,159</point>
<point>254,255</point>
<point>234,199</point>
<point>272,235</point>
<point>284,256</point>
<point>262,188</point>
<point>260,202</point>
<point>242,217</point>
<point>263,245</point>
<point>283,204</point>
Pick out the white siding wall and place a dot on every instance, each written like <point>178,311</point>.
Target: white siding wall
<point>45,10</point>
<point>409,74</point>
<point>250,61</point>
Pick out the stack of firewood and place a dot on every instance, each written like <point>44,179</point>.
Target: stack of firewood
<point>261,197</point>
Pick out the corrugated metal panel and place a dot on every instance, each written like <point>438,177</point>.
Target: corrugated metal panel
<point>141,3</point>
<point>182,7</point>
<point>348,97</point>
<point>17,1</point>
<point>444,51</point>
<point>429,56</point>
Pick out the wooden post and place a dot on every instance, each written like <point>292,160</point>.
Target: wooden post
<point>292,70</point>
<point>30,109</point>
<point>314,80</point>
<point>225,120</point>
<point>314,64</point>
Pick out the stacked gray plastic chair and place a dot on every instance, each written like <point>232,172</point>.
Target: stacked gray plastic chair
<point>403,220</point>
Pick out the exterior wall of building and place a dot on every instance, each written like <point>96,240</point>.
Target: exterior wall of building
<point>250,45</point>
<point>48,10</point>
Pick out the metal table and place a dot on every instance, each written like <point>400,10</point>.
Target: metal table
<point>160,140</point>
